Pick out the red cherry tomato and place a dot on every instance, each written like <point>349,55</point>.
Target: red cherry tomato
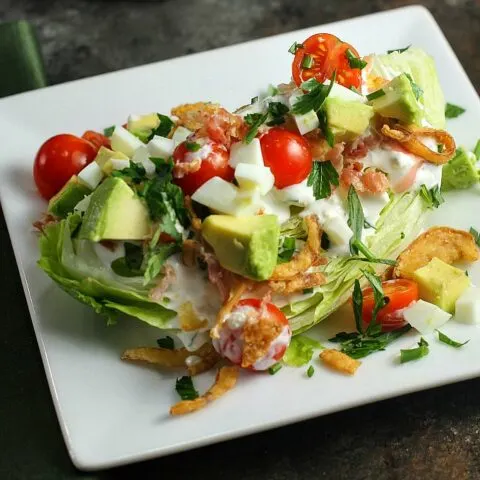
<point>96,139</point>
<point>328,53</point>
<point>58,159</point>
<point>287,154</point>
<point>400,292</point>
<point>215,164</point>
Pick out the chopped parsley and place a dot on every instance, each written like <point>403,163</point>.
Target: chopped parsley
<point>166,342</point>
<point>417,91</point>
<point>253,100</point>
<point>274,368</point>
<point>415,353</point>
<point>399,50</point>
<point>310,371</point>
<point>108,132</point>
<point>307,61</point>
<point>192,146</point>
<point>356,218</point>
<point>185,388</point>
<point>453,111</point>
<point>294,47</point>
<point>354,61</point>
<point>286,250</point>
<point>315,96</point>
<point>321,178</point>
<point>433,198</point>
<point>164,127</point>
<point>453,343</point>
<point>273,116</point>
<point>476,235</point>
<point>376,94</point>
<point>307,291</point>
<point>327,132</point>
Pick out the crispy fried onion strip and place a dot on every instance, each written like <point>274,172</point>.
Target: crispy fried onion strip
<point>238,289</point>
<point>225,381</point>
<point>448,244</point>
<point>410,137</point>
<point>297,283</point>
<point>309,255</point>
<point>196,223</point>
<point>164,357</point>
<point>339,361</point>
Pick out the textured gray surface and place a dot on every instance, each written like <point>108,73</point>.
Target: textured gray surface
<point>429,435</point>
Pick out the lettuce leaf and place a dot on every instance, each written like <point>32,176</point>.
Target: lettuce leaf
<point>399,223</point>
<point>300,350</point>
<point>74,266</point>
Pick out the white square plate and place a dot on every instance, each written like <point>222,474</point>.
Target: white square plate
<point>113,413</point>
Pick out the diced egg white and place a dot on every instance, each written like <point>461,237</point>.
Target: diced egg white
<point>119,163</point>
<point>250,176</point>
<point>270,205</point>
<point>92,175</point>
<point>344,93</point>
<point>305,122</point>
<point>161,147</point>
<point>241,152</point>
<point>467,306</point>
<point>338,232</point>
<point>180,135</point>
<point>142,156</point>
<point>395,164</point>
<point>425,317</point>
<point>219,195</point>
<point>124,141</point>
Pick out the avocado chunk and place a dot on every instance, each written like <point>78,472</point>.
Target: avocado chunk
<point>441,284</point>
<point>115,213</point>
<point>347,119</point>
<point>142,125</point>
<point>398,101</point>
<point>247,245</point>
<point>460,172</point>
<point>65,200</point>
<point>104,157</point>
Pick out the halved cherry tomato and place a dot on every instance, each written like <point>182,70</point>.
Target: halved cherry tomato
<point>400,293</point>
<point>287,154</point>
<point>215,164</point>
<point>58,159</point>
<point>96,139</point>
<point>328,53</point>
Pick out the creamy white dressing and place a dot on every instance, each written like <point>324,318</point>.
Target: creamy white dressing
<point>193,340</point>
<point>394,163</point>
<point>107,255</point>
<point>299,194</point>
<point>238,317</point>
<point>201,154</point>
<point>272,206</point>
<point>372,206</point>
<point>429,175</point>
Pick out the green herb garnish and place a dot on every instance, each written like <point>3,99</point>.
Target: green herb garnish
<point>273,116</point>
<point>476,150</point>
<point>294,47</point>
<point>164,127</point>
<point>166,342</point>
<point>321,178</point>
<point>307,61</point>
<point>433,198</point>
<point>399,50</point>
<point>476,235</point>
<point>376,94</point>
<point>453,111</point>
<point>315,96</point>
<point>276,111</point>
<point>356,218</point>
<point>327,132</point>
<point>274,368</point>
<point>307,291</point>
<point>357,303</point>
<point>417,91</point>
<point>185,388</point>
<point>354,61</point>
<point>286,250</point>
<point>192,146</point>
<point>453,343</point>
<point>108,132</point>
<point>253,100</point>
<point>310,371</point>
<point>415,353</point>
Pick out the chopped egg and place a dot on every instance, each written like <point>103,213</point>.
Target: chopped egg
<point>119,163</point>
<point>425,317</point>
<point>124,141</point>
<point>92,175</point>
<point>219,195</point>
<point>180,135</point>
<point>142,156</point>
<point>161,147</point>
<point>305,122</point>
<point>467,306</point>
<point>251,176</point>
<point>246,153</point>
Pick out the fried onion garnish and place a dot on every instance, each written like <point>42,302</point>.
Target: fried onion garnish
<point>158,356</point>
<point>409,136</point>
<point>193,115</point>
<point>208,359</point>
<point>297,283</point>
<point>195,222</point>
<point>304,259</point>
<point>339,361</point>
<point>448,244</point>
<point>225,381</point>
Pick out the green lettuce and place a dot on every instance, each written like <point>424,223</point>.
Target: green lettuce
<point>75,267</point>
<point>399,223</point>
<point>300,350</point>
<point>421,67</point>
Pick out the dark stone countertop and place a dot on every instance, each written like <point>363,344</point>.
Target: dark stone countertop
<point>429,435</point>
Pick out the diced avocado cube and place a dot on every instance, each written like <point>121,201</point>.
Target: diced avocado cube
<point>104,157</point>
<point>142,123</point>
<point>460,171</point>
<point>441,284</point>
<point>399,101</point>
<point>115,213</point>
<point>65,200</point>
<point>245,245</point>
<point>347,119</point>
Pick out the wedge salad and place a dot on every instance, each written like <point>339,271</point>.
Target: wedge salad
<point>235,232</point>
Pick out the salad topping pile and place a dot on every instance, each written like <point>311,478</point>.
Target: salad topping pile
<point>234,232</point>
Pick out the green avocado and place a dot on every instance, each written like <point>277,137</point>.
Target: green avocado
<point>115,213</point>
<point>104,157</point>
<point>441,284</point>
<point>142,125</point>
<point>65,200</point>
<point>245,245</point>
<point>460,172</point>
<point>347,119</point>
<point>398,101</point>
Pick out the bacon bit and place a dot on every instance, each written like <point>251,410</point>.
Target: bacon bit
<point>339,361</point>
<point>46,220</point>
<point>226,379</point>
<point>410,137</point>
<point>258,334</point>
<point>219,276</point>
<point>156,293</point>
<point>298,283</point>
<point>370,180</point>
<point>235,295</point>
<point>360,147</point>
<point>303,260</point>
<point>196,223</point>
